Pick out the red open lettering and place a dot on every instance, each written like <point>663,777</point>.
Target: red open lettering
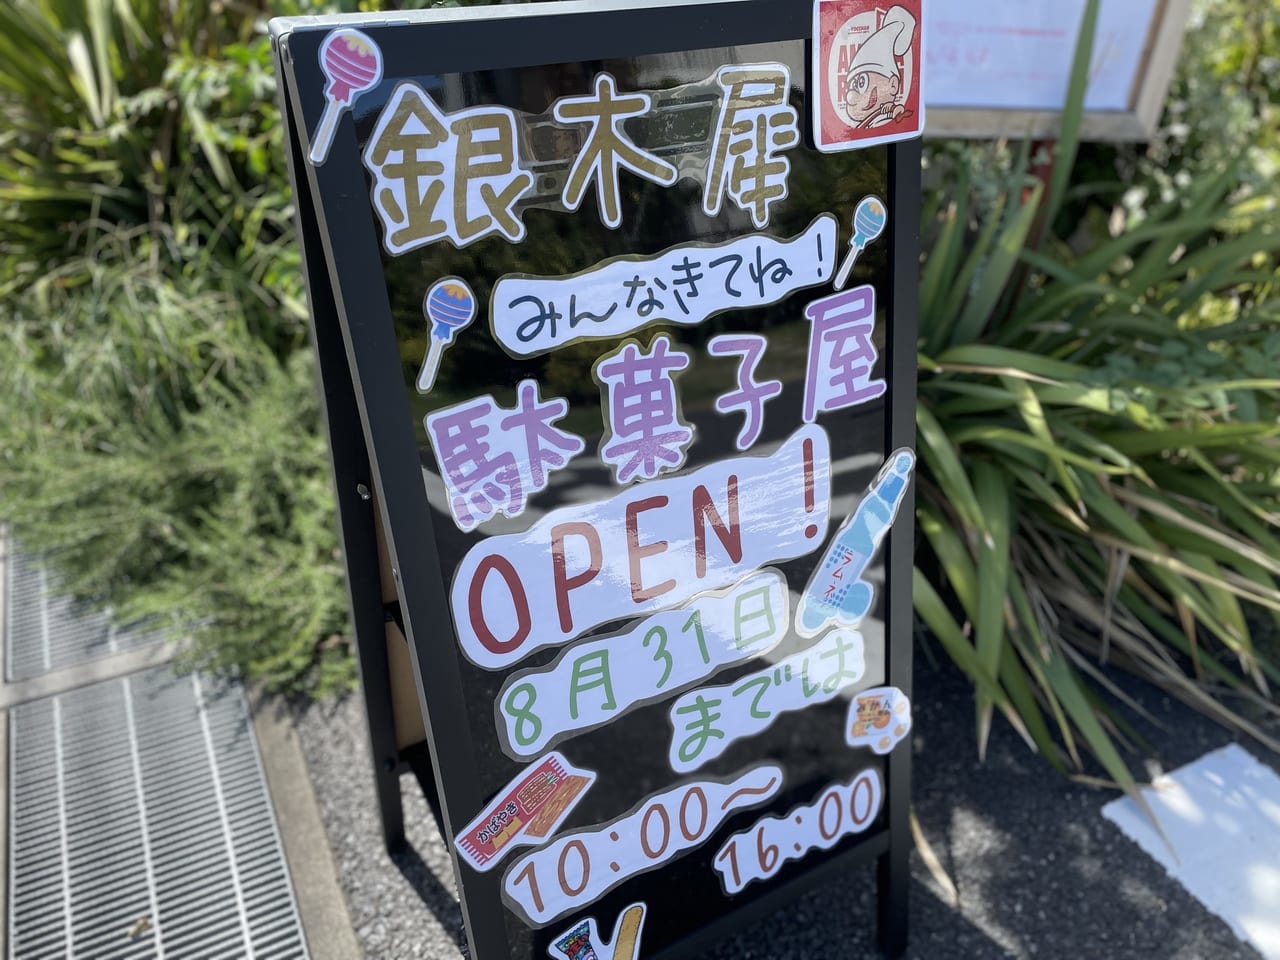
<point>729,535</point>
<point>519,599</point>
<point>637,552</point>
<point>563,582</point>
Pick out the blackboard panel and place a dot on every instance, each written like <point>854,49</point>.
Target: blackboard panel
<point>439,526</point>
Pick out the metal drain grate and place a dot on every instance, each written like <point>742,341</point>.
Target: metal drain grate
<point>46,631</point>
<point>141,826</point>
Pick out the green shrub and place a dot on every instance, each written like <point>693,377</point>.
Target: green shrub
<point>169,460</point>
<point>162,435</point>
<point>1099,435</point>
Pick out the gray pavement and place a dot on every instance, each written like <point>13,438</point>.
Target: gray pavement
<point>86,664</point>
<point>91,671</point>
<point>321,905</point>
<point>1038,872</point>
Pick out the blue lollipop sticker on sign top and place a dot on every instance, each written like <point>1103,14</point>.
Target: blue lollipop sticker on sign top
<point>869,220</point>
<point>837,593</point>
<point>450,306</point>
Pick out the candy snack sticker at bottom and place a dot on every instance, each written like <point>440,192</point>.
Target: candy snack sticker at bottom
<point>582,940</point>
<point>598,681</point>
<point>836,592</point>
<point>878,718</point>
<point>759,852</point>
<point>867,72</point>
<point>579,868</point>
<point>707,721</point>
<point>527,811</point>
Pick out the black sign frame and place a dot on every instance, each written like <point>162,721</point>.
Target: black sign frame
<point>376,469</point>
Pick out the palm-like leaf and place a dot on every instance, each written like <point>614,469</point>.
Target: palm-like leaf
<point>1100,475</point>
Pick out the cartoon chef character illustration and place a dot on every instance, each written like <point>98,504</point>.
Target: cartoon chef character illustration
<point>876,86</point>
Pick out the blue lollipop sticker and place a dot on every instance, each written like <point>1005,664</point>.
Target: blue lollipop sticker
<point>450,306</point>
<point>869,220</point>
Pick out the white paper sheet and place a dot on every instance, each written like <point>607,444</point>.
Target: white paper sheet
<point>1222,816</point>
<point>1016,54</point>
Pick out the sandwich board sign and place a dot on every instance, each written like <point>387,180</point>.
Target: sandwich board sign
<point>615,321</point>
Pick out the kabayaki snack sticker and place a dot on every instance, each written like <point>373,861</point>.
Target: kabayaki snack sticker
<point>879,719</point>
<point>582,940</point>
<point>526,812</point>
<point>867,73</point>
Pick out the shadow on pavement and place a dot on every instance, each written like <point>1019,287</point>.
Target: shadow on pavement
<point>442,902</point>
<point>1038,871</point>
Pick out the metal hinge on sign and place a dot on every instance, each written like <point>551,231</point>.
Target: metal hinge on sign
<point>391,614</point>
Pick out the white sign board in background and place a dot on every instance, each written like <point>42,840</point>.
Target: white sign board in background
<point>1002,67</point>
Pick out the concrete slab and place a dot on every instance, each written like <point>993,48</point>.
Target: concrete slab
<point>4,755</point>
<point>321,905</point>
<point>82,674</point>
<point>1221,817</point>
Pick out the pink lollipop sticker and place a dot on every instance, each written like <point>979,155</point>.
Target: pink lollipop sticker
<point>352,63</point>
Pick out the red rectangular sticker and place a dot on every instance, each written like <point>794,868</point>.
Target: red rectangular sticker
<point>527,812</point>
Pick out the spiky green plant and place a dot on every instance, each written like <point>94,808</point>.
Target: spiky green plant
<point>1100,456</point>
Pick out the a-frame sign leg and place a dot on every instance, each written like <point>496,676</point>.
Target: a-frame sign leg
<point>357,520</point>
<point>356,514</point>
<point>894,874</point>
<point>894,866</point>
